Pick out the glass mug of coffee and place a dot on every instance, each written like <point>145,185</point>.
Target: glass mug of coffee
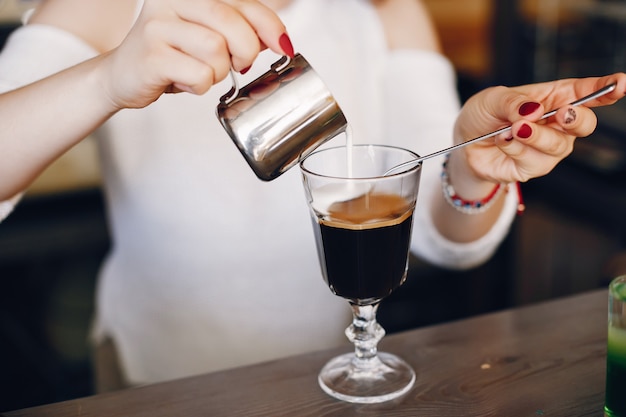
<point>281,117</point>
<point>362,220</point>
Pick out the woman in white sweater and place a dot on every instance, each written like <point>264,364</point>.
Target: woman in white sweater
<point>211,268</point>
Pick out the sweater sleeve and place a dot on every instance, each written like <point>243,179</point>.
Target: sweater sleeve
<point>421,104</point>
<point>6,207</point>
<point>36,51</point>
<point>33,52</point>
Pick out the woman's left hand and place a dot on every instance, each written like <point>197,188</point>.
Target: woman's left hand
<point>533,147</point>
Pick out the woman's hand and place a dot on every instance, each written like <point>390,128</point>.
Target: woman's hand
<point>175,45</point>
<point>533,147</point>
<point>188,45</point>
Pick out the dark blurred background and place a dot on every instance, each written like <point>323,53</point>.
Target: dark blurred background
<point>570,239</point>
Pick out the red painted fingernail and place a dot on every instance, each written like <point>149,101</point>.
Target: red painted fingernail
<point>509,139</point>
<point>246,69</point>
<point>524,131</point>
<point>528,107</point>
<point>285,44</point>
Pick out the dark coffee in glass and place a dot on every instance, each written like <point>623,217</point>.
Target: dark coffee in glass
<point>363,245</point>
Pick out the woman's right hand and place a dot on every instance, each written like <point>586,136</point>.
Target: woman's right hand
<point>188,45</point>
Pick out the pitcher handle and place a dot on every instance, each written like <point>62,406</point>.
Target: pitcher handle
<point>277,67</point>
<point>234,90</point>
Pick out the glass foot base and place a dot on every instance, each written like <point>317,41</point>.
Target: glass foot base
<point>366,381</point>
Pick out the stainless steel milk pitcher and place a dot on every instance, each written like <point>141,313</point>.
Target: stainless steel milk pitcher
<point>280,117</point>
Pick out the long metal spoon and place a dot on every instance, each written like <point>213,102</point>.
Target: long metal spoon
<point>592,96</point>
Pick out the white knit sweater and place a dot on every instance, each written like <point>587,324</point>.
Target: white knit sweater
<point>212,268</point>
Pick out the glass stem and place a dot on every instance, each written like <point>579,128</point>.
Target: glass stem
<point>365,332</point>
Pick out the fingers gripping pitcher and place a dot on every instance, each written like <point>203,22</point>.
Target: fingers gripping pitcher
<point>281,117</point>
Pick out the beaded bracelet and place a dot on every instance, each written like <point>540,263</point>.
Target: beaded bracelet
<point>467,206</point>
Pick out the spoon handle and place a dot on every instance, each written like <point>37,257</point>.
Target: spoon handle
<point>592,96</point>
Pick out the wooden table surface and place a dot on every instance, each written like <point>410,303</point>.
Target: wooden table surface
<point>542,360</point>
